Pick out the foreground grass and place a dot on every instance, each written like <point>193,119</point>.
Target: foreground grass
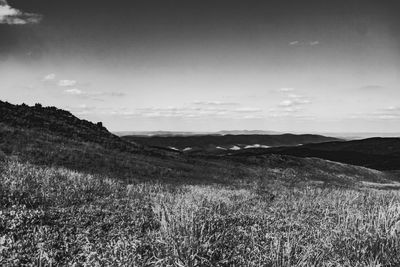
<point>59,217</point>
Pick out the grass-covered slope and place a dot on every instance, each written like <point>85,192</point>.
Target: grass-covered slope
<point>297,171</point>
<point>57,217</point>
<point>48,136</point>
<point>375,153</point>
<point>88,198</point>
<point>54,121</point>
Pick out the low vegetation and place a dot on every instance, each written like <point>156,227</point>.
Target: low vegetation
<point>131,205</point>
<point>376,153</point>
<point>54,121</point>
<point>54,216</point>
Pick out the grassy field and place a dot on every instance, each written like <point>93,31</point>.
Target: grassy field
<point>57,217</point>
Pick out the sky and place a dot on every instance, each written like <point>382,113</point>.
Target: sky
<point>293,66</point>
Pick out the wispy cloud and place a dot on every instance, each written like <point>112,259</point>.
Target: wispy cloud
<point>215,103</point>
<point>12,16</point>
<point>291,105</point>
<point>70,88</point>
<point>286,103</point>
<point>99,94</point>
<point>91,94</point>
<point>309,43</point>
<point>182,112</point>
<point>73,91</point>
<point>390,112</point>
<point>49,77</point>
<point>386,113</point>
<point>116,94</point>
<point>286,89</point>
<point>67,83</point>
<point>193,112</point>
<point>293,102</point>
<point>82,109</point>
<point>292,99</point>
<point>288,112</point>
<point>248,110</point>
<point>392,108</point>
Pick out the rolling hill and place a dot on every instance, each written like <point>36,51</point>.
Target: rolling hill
<point>375,153</point>
<point>48,136</point>
<point>54,137</point>
<point>50,120</point>
<point>222,142</point>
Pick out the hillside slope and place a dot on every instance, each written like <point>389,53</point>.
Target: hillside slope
<point>54,137</point>
<point>57,217</point>
<point>375,153</point>
<point>48,136</point>
<point>54,121</point>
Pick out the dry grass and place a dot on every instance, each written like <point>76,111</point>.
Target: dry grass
<point>58,217</point>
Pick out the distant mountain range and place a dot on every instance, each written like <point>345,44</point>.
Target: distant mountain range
<point>360,135</point>
<point>177,133</point>
<point>226,142</point>
<point>340,135</point>
<point>376,153</point>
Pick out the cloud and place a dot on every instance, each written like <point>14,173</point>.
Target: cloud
<point>182,112</point>
<point>390,112</point>
<point>254,117</point>
<point>49,77</point>
<point>69,88</point>
<point>82,109</point>
<point>392,108</point>
<point>117,94</point>
<point>291,106</point>
<point>288,112</point>
<point>73,91</point>
<point>310,43</point>
<point>294,100</point>
<point>248,110</point>
<point>286,103</point>
<point>188,112</point>
<point>286,89</point>
<point>299,99</point>
<point>82,93</point>
<point>91,94</point>
<point>386,113</point>
<point>99,94</point>
<point>67,83</point>
<point>215,103</point>
<point>12,16</point>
